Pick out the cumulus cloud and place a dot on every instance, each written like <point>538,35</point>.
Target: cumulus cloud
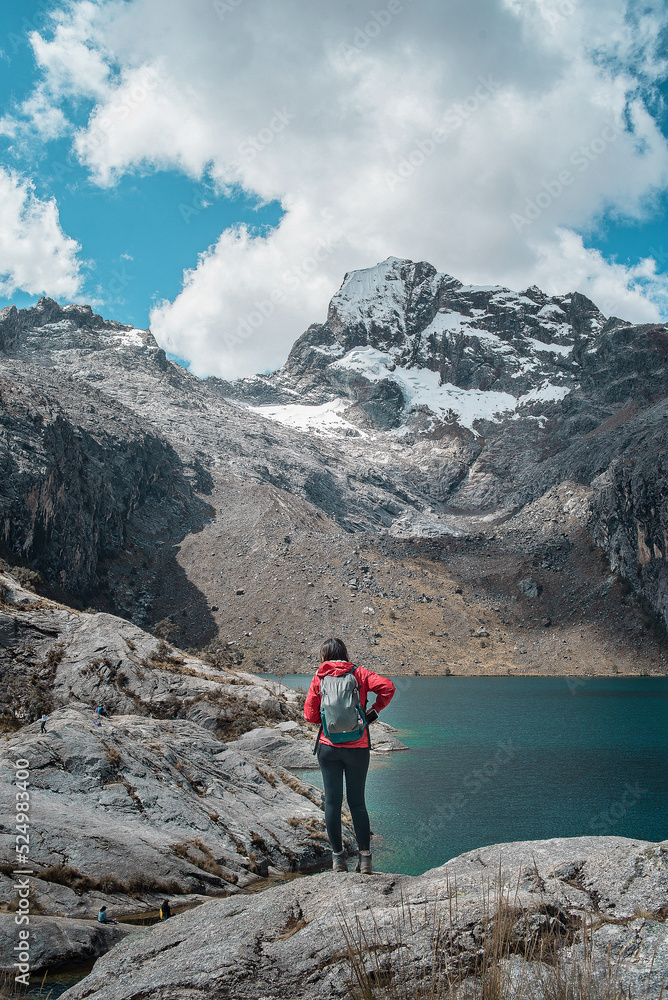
<point>35,255</point>
<point>74,67</point>
<point>482,137</point>
<point>617,290</point>
<point>37,117</point>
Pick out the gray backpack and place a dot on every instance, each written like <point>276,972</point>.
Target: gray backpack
<point>340,708</point>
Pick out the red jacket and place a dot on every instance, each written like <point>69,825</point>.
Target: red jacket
<point>367,681</point>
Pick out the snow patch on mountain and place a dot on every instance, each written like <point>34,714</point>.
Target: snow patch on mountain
<point>539,345</point>
<point>455,322</point>
<point>548,392</point>
<point>125,338</point>
<point>324,420</point>
<point>551,311</point>
<point>421,389</point>
<point>374,293</point>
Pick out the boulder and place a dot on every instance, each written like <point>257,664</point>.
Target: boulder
<point>529,587</point>
<point>136,807</point>
<point>59,941</point>
<point>593,907</point>
<point>383,739</point>
<point>277,747</point>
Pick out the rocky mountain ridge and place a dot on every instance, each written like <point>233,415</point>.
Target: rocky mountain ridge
<point>409,350</point>
<point>497,397</point>
<point>433,421</point>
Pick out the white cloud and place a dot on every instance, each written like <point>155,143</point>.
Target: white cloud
<point>35,255</point>
<point>246,289</point>
<point>335,109</point>
<point>617,290</point>
<point>75,66</point>
<point>37,116</point>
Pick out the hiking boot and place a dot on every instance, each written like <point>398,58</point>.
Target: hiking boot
<point>364,864</point>
<point>339,863</point>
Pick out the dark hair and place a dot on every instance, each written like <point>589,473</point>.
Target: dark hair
<point>333,649</point>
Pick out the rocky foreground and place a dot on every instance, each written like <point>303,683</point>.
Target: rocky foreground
<point>575,917</point>
<point>52,655</point>
<point>160,805</point>
<point>158,795</point>
<point>182,788</point>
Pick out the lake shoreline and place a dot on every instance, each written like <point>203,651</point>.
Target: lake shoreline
<point>484,672</point>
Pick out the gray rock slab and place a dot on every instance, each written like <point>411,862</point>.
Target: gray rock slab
<point>383,739</point>
<point>99,659</point>
<point>293,942</point>
<point>56,900</point>
<point>140,806</point>
<point>278,746</point>
<point>59,941</point>
<point>293,748</point>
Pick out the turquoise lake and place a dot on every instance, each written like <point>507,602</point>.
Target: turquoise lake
<point>497,759</point>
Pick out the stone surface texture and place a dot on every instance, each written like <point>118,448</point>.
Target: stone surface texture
<point>137,805</point>
<point>60,941</point>
<point>52,655</point>
<point>603,898</point>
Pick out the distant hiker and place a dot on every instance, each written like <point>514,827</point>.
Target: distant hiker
<point>98,713</point>
<point>165,911</point>
<point>42,723</point>
<point>337,700</point>
<point>103,918</point>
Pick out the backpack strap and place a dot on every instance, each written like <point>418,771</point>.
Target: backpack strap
<point>367,727</point>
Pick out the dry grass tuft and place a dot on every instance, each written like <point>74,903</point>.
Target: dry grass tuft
<point>510,952</point>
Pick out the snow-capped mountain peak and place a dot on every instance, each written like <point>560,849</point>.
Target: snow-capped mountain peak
<point>402,341</point>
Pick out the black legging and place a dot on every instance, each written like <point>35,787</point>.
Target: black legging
<point>354,763</point>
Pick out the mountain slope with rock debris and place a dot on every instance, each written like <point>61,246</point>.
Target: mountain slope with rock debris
<point>433,462</point>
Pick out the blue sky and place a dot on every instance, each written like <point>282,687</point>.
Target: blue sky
<point>136,238</point>
<point>214,169</point>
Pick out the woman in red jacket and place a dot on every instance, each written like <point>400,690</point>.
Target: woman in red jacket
<point>351,758</point>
